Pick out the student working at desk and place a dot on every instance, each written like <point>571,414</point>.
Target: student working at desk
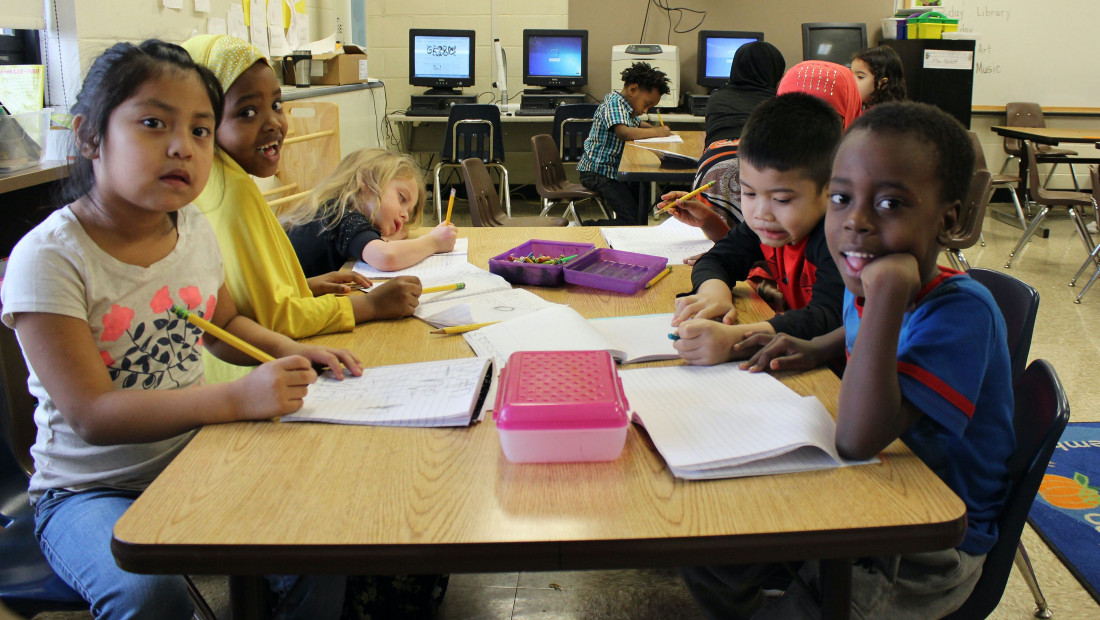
<point>615,123</point>
<point>930,364</point>
<point>361,212</point>
<point>786,155</point>
<point>118,377</point>
<point>261,270</point>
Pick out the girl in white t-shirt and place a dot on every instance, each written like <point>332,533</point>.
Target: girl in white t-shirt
<point>89,293</point>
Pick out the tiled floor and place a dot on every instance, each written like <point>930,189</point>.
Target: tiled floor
<point>1062,335</point>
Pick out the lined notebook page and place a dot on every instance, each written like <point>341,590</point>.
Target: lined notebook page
<point>672,239</point>
<point>670,139</point>
<point>641,338</point>
<point>559,328</point>
<point>441,393</point>
<point>482,308</point>
<point>720,421</point>
<point>433,265</point>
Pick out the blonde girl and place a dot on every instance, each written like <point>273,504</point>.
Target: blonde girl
<point>363,211</point>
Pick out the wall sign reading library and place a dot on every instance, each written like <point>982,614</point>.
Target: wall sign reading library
<point>1032,51</point>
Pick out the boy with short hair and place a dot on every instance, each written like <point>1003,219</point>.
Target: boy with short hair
<point>616,122</point>
<point>786,153</point>
<point>930,365</point>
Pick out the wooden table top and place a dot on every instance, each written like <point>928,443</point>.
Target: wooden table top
<point>1049,135</point>
<point>255,498</point>
<point>642,165</point>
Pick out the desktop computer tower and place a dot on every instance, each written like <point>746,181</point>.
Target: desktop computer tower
<point>436,104</point>
<point>536,100</point>
<point>695,105</point>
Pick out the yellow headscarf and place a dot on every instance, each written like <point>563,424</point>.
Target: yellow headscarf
<point>228,57</point>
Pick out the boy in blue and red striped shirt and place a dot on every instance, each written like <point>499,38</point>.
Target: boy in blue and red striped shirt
<point>928,362</point>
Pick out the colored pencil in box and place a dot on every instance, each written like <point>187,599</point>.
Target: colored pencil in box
<point>444,287</point>
<point>222,335</point>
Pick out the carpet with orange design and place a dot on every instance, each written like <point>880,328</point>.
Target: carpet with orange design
<point>1066,513</point>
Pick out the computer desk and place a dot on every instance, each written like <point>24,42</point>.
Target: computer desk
<point>644,168</point>
<point>257,498</point>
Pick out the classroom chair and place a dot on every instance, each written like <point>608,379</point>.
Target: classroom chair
<point>1046,199</point>
<point>28,584</point>
<point>551,183</point>
<point>1040,416</point>
<point>311,151</point>
<point>1026,114</point>
<point>1008,181</point>
<point>485,205</point>
<point>473,130</point>
<point>570,128</point>
<point>968,229</point>
<point>1092,259</point>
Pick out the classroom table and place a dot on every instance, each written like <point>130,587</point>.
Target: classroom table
<point>644,168</point>
<point>264,497</point>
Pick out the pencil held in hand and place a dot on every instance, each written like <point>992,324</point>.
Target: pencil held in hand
<point>450,206</point>
<point>688,196</point>
<point>444,287</point>
<point>222,335</point>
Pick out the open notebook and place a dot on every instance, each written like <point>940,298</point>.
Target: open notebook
<point>426,269</point>
<point>672,239</point>
<point>628,339</point>
<point>443,393</point>
<point>486,297</point>
<point>723,422</point>
<point>669,158</point>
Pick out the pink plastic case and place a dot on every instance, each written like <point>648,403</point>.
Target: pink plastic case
<point>614,270</point>
<point>537,274</point>
<point>561,406</point>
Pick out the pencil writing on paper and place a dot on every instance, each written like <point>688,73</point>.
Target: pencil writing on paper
<point>222,335</point>
<point>457,286</point>
<point>688,196</point>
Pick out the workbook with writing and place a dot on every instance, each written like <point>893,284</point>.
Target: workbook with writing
<point>485,297</point>
<point>669,158</point>
<point>724,422</point>
<point>629,339</point>
<point>441,393</point>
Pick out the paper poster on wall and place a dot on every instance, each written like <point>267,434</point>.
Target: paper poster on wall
<point>292,19</point>
<point>216,25</point>
<point>202,6</point>
<point>235,24</point>
<point>173,4</point>
<point>257,27</point>
<point>22,87</point>
<point>277,41</point>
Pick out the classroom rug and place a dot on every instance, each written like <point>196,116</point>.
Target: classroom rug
<point>1066,512</point>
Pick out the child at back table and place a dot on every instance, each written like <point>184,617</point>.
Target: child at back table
<point>360,212</point>
<point>118,377</point>
<point>785,157</point>
<point>262,271</point>
<point>928,361</point>
<point>615,123</point>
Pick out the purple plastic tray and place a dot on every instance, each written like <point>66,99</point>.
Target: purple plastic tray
<point>614,270</point>
<point>537,274</point>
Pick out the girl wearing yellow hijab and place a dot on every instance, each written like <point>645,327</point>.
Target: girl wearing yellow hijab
<point>262,271</point>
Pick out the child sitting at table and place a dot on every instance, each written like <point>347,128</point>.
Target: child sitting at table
<point>928,363</point>
<point>118,376</point>
<point>786,155</point>
<point>362,211</point>
<point>261,269</point>
<point>615,123</point>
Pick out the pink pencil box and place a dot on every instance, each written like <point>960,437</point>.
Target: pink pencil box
<point>561,406</point>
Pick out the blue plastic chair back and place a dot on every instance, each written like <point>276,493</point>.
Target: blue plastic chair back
<point>463,140</point>
<point>1019,304</point>
<point>570,136</point>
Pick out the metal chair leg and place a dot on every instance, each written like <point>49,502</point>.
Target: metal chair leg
<point>1096,274</point>
<point>959,260</point>
<point>1008,161</point>
<point>1092,257</point>
<point>437,196</point>
<point>1023,564</point>
<point>1035,221</point>
<point>202,608</point>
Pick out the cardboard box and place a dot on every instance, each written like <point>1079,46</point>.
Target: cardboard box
<point>346,66</point>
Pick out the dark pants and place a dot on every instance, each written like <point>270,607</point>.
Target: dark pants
<point>616,195</point>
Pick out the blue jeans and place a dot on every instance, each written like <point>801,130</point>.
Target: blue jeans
<point>617,196</point>
<point>74,531</point>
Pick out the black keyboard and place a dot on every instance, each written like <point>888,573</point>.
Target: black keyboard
<point>533,112</point>
<point>416,112</point>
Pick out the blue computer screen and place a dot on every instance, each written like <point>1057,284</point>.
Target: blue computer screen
<point>555,56</point>
<point>441,57</point>
<point>720,51</point>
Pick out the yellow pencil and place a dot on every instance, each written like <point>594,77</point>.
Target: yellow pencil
<point>658,277</point>
<point>659,120</point>
<point>450,206</point>
<point>458,329</point>
<point>688,196</point>
<point>222,335</point>
<point>444,287</point>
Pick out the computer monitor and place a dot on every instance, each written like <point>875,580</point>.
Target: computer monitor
<point>555,59</point>
<point>442,60</point>
<point>715,55</point>
<point>833,41</point>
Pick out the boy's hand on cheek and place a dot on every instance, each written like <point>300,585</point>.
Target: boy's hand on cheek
<point>705,343</point>
<point>893,275</point>
<point>274,388</point>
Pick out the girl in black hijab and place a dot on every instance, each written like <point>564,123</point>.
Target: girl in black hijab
<point>754,75</point>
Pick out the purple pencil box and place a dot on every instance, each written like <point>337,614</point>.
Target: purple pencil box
<point>614,270</point>
<point>537,274</point>
<point>561,406</point>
